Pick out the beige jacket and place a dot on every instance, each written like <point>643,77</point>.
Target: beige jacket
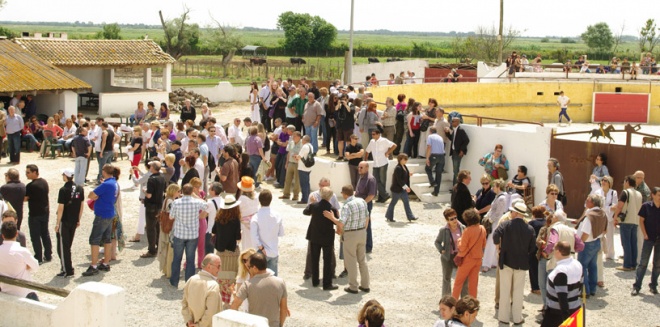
<point>201,299</point>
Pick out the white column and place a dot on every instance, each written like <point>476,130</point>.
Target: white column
<point>69,103</point>
<point>146,83</point>
<point>103,305</point>
<point>231,318</point>
<point>167,78</point>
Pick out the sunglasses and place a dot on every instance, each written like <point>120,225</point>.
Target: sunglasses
<point>486,183</point>
<point>553,193</point>
<point>451,218</point>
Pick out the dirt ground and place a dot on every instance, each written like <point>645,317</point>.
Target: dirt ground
<point>404,267</point>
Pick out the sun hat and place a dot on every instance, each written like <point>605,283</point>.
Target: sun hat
<point>230,202</point>
<point>67,172</point>
<point>519,207</point>
<point>246,184</point>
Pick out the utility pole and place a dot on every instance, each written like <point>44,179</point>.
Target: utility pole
<point>500,37</point>
<point>348,76</point>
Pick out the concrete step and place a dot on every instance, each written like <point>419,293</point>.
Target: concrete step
<point>443,197</point>
<point>426,186</point>
<point>423,178</point>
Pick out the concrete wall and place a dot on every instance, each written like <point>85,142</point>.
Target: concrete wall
<point>125,103</point>
<point>223,92</point>
<point>383,70</point>
<point>516,145</point>
<point>49,104</point>
<point>96,77</point>
<point>91,304</point>
<point>520,100</point>
<point>232,318</point>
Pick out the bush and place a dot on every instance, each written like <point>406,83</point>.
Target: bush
<point>545,40</point>
<point>567,40</point>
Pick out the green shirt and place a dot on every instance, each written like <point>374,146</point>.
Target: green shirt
<point>299,104</point>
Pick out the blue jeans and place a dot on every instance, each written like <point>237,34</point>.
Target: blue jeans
<point>179,246</point>
<point>647,247</point>
<point>437,162</point>
<point>304,185</point>
<point>107,158</point>
<point>563,113</point>
<point>255,161</point>
<point>313,133</point>
<point>543,278</point>
<point>628,234</point>
<point>380,174</point>
<point>280,164</point>
<point>406,204</point>
<point>209,247</point>
<point>14,144</point>
<point>271,263</point>
<point>456,162</point>
<point>588,258</point>
<point>80,170</point>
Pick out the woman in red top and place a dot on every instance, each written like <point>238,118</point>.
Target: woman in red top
<point>55,130</point>
<point>414,123</point>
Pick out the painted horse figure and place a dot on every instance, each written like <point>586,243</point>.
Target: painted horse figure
<point>602,132</point>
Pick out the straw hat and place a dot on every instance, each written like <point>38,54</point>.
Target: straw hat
<point>519,207</point>
<point>230,202</point>
<point>246,184</point>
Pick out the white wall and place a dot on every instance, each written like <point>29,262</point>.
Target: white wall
<point>91,304</point>
<point>49,104</point>
<point>223,92</point>
<point>528,148</point>
<point>383,70</point>
<point>337,172</point>
<point>232,318</point>
<point>93,76</point>
<point>125,103</point>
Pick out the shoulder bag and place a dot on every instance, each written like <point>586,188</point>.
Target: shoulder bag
<point>166,223</point>
<point>458,260</point>
<point>622,215</point>
<point>308,160</point>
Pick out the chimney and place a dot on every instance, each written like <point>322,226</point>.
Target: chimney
<point>64,36</point>
<point>37,35</point>
<point>50,35</point>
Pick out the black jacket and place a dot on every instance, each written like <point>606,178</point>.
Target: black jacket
<point>400,177</point>
<point>461,200</point>
<point>188,114</point>
<point>321,230</point>
<point>517,243</point>
<point>462,140</point>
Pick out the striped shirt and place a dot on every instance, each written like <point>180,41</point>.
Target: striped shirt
<point>185,212</point>
<point>354,214</point>
<point>565,285</point>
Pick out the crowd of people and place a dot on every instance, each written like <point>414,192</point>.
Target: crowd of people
<point>201,196</point>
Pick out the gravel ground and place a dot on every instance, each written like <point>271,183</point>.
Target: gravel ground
<point>404,267</point>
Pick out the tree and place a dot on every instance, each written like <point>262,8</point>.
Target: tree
<point>598,37</point>
<point>303,32</point>
<point>618,39</point>
<point>110,32</point>
<point>647,34</point>
<point>484,45</point>
<point>225,41</point>
<point>180,36</point>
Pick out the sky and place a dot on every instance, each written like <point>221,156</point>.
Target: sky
<point>532,18</point>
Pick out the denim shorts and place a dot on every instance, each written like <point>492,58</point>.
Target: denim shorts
<point>101,231</point>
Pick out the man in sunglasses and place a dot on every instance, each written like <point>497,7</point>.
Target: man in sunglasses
<point>201,295</point>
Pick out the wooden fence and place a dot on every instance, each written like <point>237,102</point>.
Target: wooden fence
<point>210,68</point>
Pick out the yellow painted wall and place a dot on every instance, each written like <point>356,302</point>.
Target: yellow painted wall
<point>507,95</point>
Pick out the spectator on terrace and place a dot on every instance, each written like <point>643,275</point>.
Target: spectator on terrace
<point>164,113</point>
<point>68,134</point>
<point>614,66</point>
<point>537,64</point>
<point>568,66</point>
<point>391,81</point>
<point>453,76</point>
<point>151,112</point>
<point>139,114</point>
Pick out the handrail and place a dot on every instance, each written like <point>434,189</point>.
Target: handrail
<point>34,286</point>
<point>481,118</point>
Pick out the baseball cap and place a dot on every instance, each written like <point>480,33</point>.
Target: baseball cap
<point>67,172</point>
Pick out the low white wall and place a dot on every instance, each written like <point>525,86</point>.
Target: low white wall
<point>529,148</point>
<point>125,103</point>
<point>232,318</point>
<point>223,92</point>
<point>383,70</point>
<point>337,172</point>
<point>91,304</point>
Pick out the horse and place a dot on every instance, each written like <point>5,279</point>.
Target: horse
<point>597,133</point>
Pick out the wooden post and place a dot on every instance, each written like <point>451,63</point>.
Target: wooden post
<point>186,64</point>
<point>35,286</point>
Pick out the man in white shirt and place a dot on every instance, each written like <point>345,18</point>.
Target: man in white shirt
<point>16,262</point>
<point>214,202</point>
<point>266,228</point>
<point>563,102</point>
<point>380,149</point>
<point>304,171</point>
<point>235,133</point>
<point>351,93</point>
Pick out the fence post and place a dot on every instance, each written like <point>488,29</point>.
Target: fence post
<point>186,64</point>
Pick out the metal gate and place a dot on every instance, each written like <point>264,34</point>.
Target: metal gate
<point>577,160</point>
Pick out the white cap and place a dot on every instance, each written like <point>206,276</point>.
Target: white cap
<point>67,172</point>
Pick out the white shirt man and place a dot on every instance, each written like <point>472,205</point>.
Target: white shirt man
<point>15,261</point>
<point>266,228</point>
<point>235,133</point>
<point>214,203</point>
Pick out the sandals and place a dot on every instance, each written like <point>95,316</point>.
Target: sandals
<point>134,240</point>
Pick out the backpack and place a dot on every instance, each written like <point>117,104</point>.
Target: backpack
<point>455,114</point>
<point>309,160</point>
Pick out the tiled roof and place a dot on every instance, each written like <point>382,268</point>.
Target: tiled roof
<point>21,70</point>
<point>106,53</point>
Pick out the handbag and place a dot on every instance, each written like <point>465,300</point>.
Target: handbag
<point>621,217</point>
<point>308,160</point>
<point>400,115</point>
<point>166,223</point>
<point>458,260</point>
<point>90,204</point>
<point>502,173</point>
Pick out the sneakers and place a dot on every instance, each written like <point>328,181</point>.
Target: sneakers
<point>343,274</point>
<point>91,271</point>
<point>570,122</point>
<point>65,274</point>
<point>104,267</point>
<point>635,291</point>
<point>654,290</point>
